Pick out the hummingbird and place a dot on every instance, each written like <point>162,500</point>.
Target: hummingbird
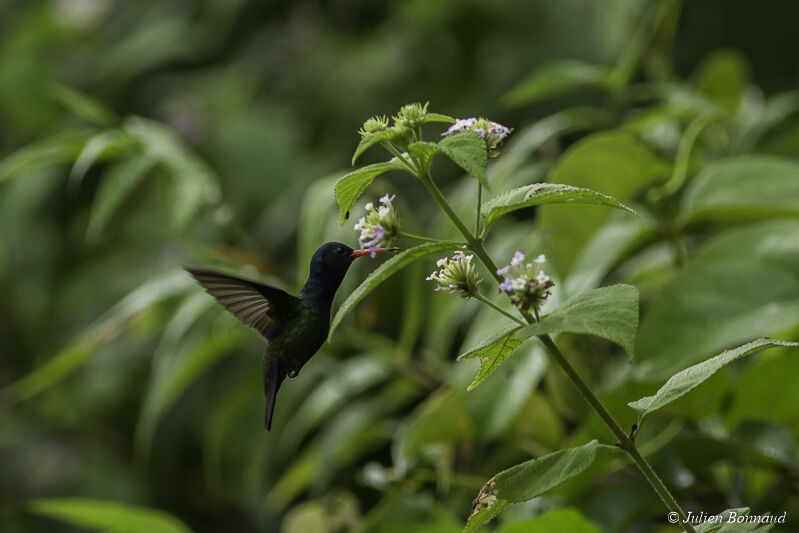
<point>295,327</point>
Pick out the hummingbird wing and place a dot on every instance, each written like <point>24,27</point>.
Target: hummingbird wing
<point>259,306</point>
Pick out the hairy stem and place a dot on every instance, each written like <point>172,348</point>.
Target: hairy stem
<point>626,443</point>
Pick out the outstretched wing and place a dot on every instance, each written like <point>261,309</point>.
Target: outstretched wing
<point>259,306</point>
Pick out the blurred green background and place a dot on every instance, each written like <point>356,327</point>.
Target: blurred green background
<point>139,137</point>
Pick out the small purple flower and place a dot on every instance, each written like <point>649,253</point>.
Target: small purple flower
<point>379,232</point>
<point>493,133</point>
<point>526,284</point>
<point>379,226</point>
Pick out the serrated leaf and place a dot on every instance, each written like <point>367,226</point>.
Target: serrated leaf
<point>528,480</point>
<point>111,516</point>
<point>467,150</point>
<point>438,117</point>
<point>384,271</point>
<point>350,186</point>
<point>747,185</point>
<point>554,79</point>
<point>493,353</point>
<point>543,193</point>
<point>684,381</point>
<point>368,140</point>
<point>117,184</point>
<point>608,312</point>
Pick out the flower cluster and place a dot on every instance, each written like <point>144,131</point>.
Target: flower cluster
<point>456,275</point>
<point>526,284</point>
<point>493,133</point>
<point>405,128</point>
<point>379,226</point>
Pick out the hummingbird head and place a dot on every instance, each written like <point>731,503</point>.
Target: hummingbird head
<point>329,265</point>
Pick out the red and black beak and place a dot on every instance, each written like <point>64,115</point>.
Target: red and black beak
<point>360,253</point>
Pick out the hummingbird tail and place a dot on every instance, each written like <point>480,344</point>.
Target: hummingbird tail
<point>273,377</point>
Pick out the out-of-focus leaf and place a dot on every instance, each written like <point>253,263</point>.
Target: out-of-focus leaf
<point>194,184</point>
<point>316,224</point>
<point>724,76</point>
<point>743,284</point>
<point>555,79</point>
<point>60,149</point>
<point>609,312</point>
<point>744,186</point>
<point>682,382</point>
<point>350,186</point>
<point>543,193</point>
<point>527,480</point>
<point>383,272</point>
<point>104,515</point>
<point>442,418</point>
<point>118,183</point>
<point>102,145</point>
<point>81,105</point>
<point>565,520</point>
<point>467,150</point>
<point>107,328</point>
<point>613,163</point>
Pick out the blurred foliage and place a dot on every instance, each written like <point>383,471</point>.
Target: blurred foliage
<point>140,137</point>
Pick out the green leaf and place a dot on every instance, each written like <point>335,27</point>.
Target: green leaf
<point>438,117</point>
<point>724,76</point>
<point>614,163</point>
<point>423,151</point>
<point>104,144</point>
<point>467,150</point>
<point>107,328</point>
<point>442,418</point>
<point>543,193</point>
<point>682,382</point>
<point>81,105</point>
<point>527,480</point>
<point>105,515</point>
<point>53,151</point>
<point>743,284</point>
<point>609,312</point>
<point>564,520</point>
<point>368,140</point>
<point>555,79</point>
<point>728,523</point>
<point>350,186</point>
<point>744,186</point>
<point>384,271</point>
<point>118,183</point>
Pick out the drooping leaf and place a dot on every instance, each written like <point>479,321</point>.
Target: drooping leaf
<point>117,184</point>
<point>555,79</point>
<point>350,186</point>
<point>467,150</point>
<point>543,193</point>
<point>493,353</point>
<point>746,185</point>
<point>741,285</point>
<point>528,480</point>
<point>111,516</point>
<point>384,271</point>
<point>684,381</point>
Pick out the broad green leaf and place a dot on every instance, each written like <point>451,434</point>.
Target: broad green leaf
<point>111,516</point>
<point>423,151</point>
<point>565,520</point>
<point>60,149</point>
<point>107,328</point>
<point>117,184</point>
<point>743,284</point>
<point>542,193</point>
<point>467,150</point>
<point>729,523</point>
<point>684,381</point>
<point>368,140</point>
<point>350,186</point>
<point>493,353</point>
<point>527,480</point>
<point>193,182</point>
<point>609,312</point>
<point>554,79</point>
<point>81,105</point>
<point>613,163</point>
<point>442,418</point>
<point>438,117</point>
<point>384,271</point>
<point>744,186</point>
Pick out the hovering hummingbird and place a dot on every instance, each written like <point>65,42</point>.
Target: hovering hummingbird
<point>294,326</point>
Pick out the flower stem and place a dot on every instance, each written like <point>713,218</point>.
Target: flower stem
<point>496,308</point>
<point>418,237</point>
<point>479,205</point>
<point>626,443</point>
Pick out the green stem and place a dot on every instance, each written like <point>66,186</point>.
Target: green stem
<point>625,442</point>
<point>418,237</point>
<point>496,308</point>
<point>479,204</point>
<point>683,157</point>
<point>399,155</point>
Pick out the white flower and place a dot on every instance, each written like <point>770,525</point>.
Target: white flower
<point>493,133</point>
<point>456,275</point>
<point>526,284</point>
<point>379,225</point>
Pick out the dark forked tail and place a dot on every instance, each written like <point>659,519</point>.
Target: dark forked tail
<point>273,377</point>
